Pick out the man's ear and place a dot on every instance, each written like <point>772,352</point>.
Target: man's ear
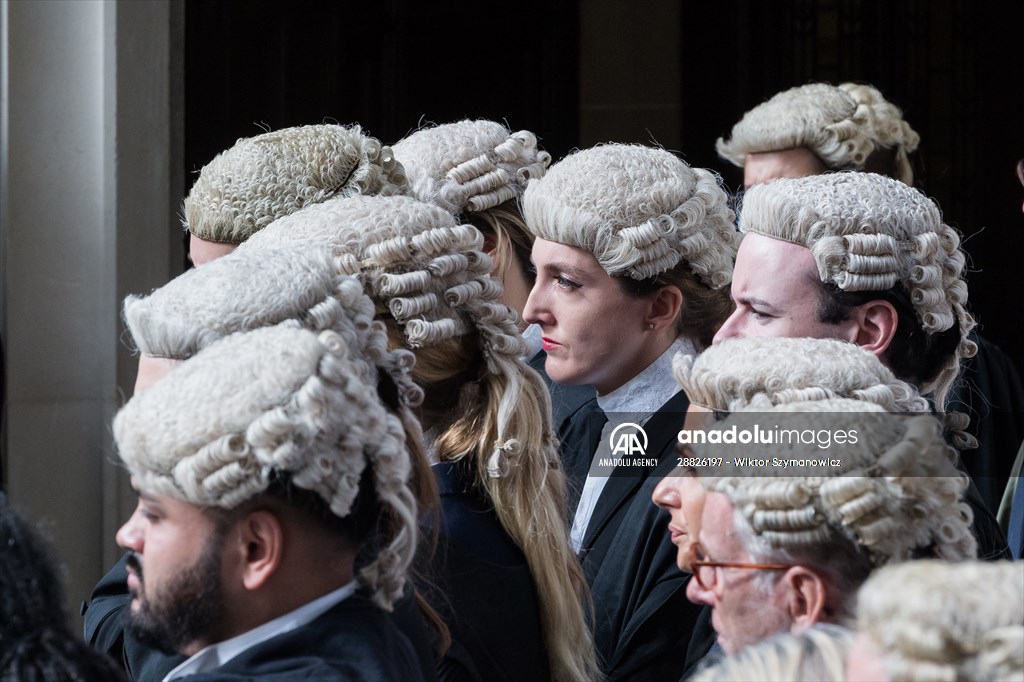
<point>260,542</point>
<point>665,306</point>
<point>806,599</point>
<point>876,325</point>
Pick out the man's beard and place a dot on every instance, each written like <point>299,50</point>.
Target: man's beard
<point>187,608</point>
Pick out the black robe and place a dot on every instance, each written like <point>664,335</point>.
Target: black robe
<point>566,399</point>
<point>352,642</point>
<point>642,619</point>
<point>479,582</point>
<point>990,391</point>
<point>108,607</point>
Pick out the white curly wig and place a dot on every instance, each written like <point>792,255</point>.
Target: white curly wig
<point>260,179</point>
<point>414,257</point>
<point>818,653</point>
<point>894,495</point>
<point>470,166</point>
<point>277,400</point>
<point>755,374</point>
<point>841,124</point>
<point>247,290</point>
<point>936,620</point>
<point>640,211</point>
<point>868,232</point>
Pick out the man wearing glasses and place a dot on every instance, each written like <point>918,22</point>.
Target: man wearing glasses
<point>781,549</point>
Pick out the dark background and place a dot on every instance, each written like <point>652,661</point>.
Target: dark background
<point>953,66</point>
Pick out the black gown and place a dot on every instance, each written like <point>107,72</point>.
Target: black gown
<point>480,583</point>
<point>108,607</point>
<point>642,619</point>
<point>352,642</point>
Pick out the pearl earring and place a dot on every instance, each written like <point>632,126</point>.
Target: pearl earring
<point>650,326</point>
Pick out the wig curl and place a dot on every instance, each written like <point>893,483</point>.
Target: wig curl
<point>641,211</point>
<point>951,621</point>
<point>843,125</point>
<point>262,178</point>
<point>270,402</point>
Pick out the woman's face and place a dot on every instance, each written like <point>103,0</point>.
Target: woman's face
<point>592,331</point>
<point>683,497</point>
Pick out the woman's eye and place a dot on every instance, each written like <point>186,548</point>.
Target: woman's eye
<point>566,283</point>
<point>760,315</point>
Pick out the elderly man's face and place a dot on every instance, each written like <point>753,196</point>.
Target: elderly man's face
<point>742,612</point>
<point>774,289</point>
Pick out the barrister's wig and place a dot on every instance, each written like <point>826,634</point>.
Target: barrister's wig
<point>641,211</point>
<point>414,258</point>
<point>892,495</point>
<point>843,125</point>
<point>271,403</point>
<point>470,166</point>
<point>870,233</point>
<point>260,179</point>
<point>247,290</point>
<point>758,373</point>
<point>947,621</point>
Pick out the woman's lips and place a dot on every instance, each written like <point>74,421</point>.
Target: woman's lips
<point>549,344</point>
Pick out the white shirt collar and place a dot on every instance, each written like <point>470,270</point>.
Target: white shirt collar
<point>216,655</point>
<point>532,336</point>
<point>651,388</point>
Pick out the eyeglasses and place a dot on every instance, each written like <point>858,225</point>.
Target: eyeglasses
<point>705,572</point>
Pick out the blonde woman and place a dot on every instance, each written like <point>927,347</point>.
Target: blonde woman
<point>507,583</point>
<point>478,170</point>
<point>633,254</point>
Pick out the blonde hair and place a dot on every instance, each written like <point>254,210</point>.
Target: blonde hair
<point>869,233</point>
<point>818,653</point>
<point>262,178</point>
<point>217,430</point>
<point>431,283</point>
<point>846,126</point>
<point>894,494</point>
<point>758,373</point>
<point>940,621</point>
